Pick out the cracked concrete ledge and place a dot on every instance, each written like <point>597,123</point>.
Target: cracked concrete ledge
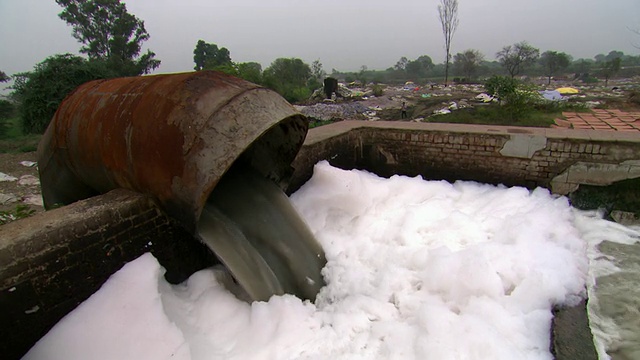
<point>523,145</point>
<point>341,127</point>
<point>589,173</point>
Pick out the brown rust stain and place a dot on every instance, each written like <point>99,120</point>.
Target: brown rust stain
<point>146,134</point>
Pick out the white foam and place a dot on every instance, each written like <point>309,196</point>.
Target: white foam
<point>415,270</point>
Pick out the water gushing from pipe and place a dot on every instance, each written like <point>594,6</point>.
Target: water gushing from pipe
<point>254,230</point>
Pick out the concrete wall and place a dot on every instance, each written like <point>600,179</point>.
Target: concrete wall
<point>53,261</point>
<point>558,159</point>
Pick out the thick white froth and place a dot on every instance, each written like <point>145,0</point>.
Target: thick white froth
<point>416,269</point>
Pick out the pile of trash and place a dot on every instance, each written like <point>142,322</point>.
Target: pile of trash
<point>342,91</point>
<point>327,112</point>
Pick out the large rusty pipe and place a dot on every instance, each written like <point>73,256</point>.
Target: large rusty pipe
<point>169,136</point>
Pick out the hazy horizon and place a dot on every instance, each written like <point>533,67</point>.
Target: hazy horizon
<point>342,35</point>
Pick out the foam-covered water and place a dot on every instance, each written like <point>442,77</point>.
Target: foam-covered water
<point>415,270</point>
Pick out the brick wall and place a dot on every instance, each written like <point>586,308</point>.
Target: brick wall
<point>55,260</point>
<point>557,159</point>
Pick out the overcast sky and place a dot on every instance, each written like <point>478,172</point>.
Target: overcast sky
<point>343,34</point>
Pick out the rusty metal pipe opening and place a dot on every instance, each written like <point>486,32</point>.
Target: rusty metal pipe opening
<point>213,150</point>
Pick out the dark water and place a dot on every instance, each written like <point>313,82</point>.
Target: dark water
<point>254,230</point>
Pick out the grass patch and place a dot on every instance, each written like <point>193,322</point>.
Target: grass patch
<point>316,123</point>
<point>497,115</point>
<point>19,212</point>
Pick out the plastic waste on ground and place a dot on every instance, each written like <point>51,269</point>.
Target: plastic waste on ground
<point>5,177</point>
<point>567,90</point>
<point>552,95</point>
<point>484,97</point>
<point>442,111</point>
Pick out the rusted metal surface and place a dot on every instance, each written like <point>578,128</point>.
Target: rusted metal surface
<point>169,136</point>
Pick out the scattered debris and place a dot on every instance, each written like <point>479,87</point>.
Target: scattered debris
<point>28,180</point>
<point>7,199</point>
<point>28,163</point>
<point>552,95</point>
<point>33,199</point>
<point>5,177</point>
<point>32,310</point>
<point>484,97</point>
<point>567,90</point>
<point>442,111</point>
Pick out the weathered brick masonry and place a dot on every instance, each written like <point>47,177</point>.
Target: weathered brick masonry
<point>557,159</point>
<point>51,262</point>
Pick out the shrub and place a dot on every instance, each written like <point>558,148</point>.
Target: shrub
<point>378,90</point>
<point>634,97</point>
<point>40,92</point>
<point>517,98</point>
<point>501,86</point>
<point>6,112</point>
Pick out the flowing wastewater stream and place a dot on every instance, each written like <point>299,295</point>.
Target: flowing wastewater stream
<point>614,298</point>
<point>254,230</point>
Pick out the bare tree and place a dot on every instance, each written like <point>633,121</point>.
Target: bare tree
<point>448,14</point>
<point>637,32</point>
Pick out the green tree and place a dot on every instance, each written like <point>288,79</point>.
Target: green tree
<point>515,58</point>
<point>582,66</point>
<point>553,61</point>
<point>289,78</point>
<point>610,69</point>
<point>401,65</point>
<point>362,74</point>
<point>614,54</point>
<point>317,72</point>
<point>448,15</point>
<point>419,67</point>
<point>468,62</point>
<point>6,112</point>
<point>110,34</point>
<point>39,93</point>
<point>209,57</point>
<point>250,71</point>
<point>7,109</point>
<point>317,75</point>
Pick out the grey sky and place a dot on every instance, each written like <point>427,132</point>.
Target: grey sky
<point>343,34</point>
